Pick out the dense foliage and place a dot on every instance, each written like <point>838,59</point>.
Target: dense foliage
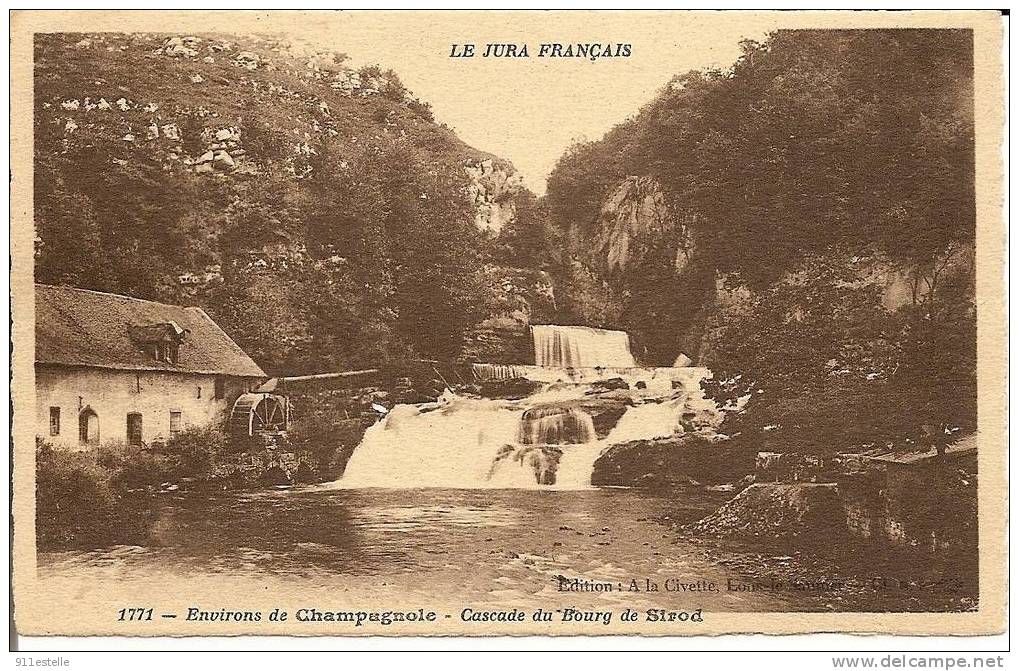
<point>819,165</point>
<point>811,138</point>
<point>347,235</point>
<point>79,493</point>
<point>343,236</point>
<point>819,364</point>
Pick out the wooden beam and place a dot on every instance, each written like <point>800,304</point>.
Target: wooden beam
<point>329,376</point>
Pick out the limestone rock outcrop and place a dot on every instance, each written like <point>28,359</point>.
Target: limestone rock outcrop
<point>491,188</point>
<point>517,298</point>
<point>634,221</point>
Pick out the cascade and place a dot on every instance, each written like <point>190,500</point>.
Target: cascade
<point>487,372</point>
<point>545,440</point>
<point>555,426</point>
<point>580,347</point>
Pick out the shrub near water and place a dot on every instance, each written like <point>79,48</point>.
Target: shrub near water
<point>194,450</point>
<point>135,467</point>
<point>328,439</point>
<point>75,498</point>
<point>77,493</point>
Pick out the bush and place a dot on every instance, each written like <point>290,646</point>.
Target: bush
<point>195,449</point>
<point>328,439</point>
<point>135,467</point>
<point>75,498</point>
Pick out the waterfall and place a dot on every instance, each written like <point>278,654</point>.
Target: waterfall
<point>580,347</point>
<point>524,466</point>
<point>488,372</point>
<point>648,421</point>
<point>577,463</point>
<point>555,426</point>
<point>450,444</point>
<point>471,443</point>
<point>544,440</point>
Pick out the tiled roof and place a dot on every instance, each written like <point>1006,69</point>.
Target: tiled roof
<point>78,327</point>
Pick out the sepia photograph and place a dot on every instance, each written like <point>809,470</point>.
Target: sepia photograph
<point>389,323</point>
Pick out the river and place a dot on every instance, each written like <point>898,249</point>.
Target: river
<point>484,548</point>
<point>493,547</point>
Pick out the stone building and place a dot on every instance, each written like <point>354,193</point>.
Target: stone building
<point>116,368</point>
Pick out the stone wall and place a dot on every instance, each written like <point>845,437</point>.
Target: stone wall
<point>929,506</point>
<point>912,500</point>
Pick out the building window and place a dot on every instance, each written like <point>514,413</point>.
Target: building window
<point>54,421</point>
<point>175,423</point>
<point>168,352</point>
<point>134,428</point>
<point>219,391</point>
<point>199,391</point>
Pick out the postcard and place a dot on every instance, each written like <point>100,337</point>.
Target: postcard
<point>504,323</point>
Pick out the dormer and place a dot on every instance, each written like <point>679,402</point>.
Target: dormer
<point>162,341</point>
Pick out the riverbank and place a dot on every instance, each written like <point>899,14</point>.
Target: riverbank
<point>85,498</point>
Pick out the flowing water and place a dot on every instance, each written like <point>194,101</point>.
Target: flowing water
<point>466,547</point>
<point>545,440</point>
<point>580,347</point>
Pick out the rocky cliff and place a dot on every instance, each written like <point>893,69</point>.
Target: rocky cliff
<point>493,186</point>
<point>221,106</point>
<point>634,222</point>
<point>637,234</point>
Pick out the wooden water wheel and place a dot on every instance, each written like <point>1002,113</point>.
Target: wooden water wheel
<point>259,413</point>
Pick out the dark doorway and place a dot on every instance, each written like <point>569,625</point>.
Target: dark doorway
<point>134,428</point>
<point>88,427</point>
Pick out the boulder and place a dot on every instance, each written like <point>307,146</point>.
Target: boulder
<point>224,160</point>
<point>610,384</point>
<point>171,131</point>
<point>605,411</point>
<point>186,47</point>
<point>776,510</point>
<point>247,60</point>
<point>665,462</point>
